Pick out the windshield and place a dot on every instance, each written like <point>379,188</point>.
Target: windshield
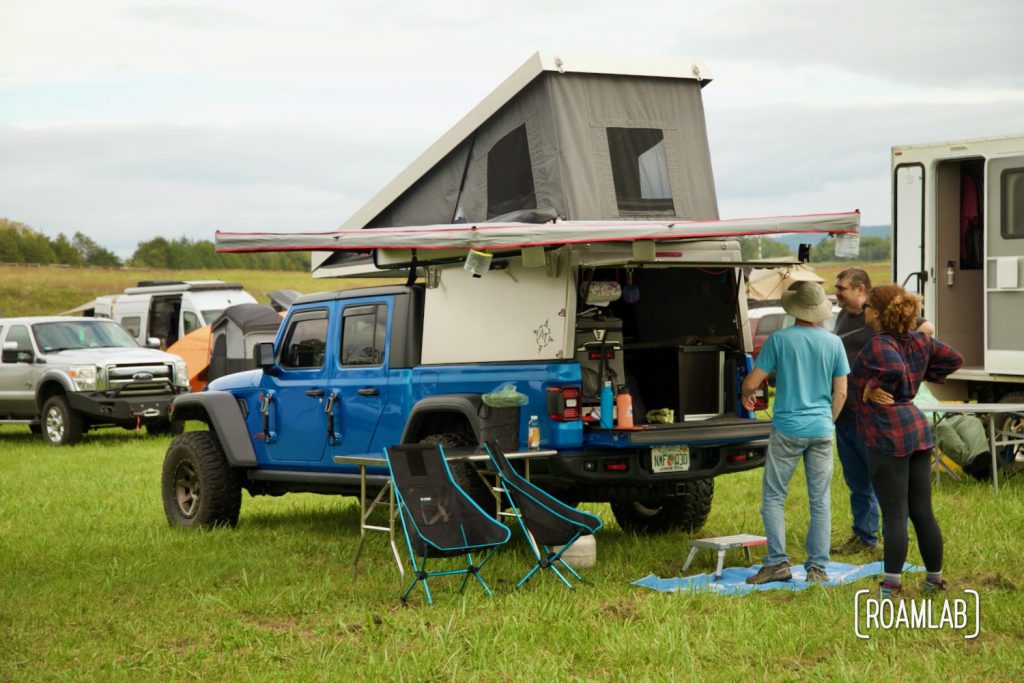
<point>212,314</point>
<point>85,334</point>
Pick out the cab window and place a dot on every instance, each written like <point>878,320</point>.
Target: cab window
<point>364,329</point>
<point>305,341</point>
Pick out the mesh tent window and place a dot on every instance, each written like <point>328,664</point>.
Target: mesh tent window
<point>510,175</point>
<point>640,170</point>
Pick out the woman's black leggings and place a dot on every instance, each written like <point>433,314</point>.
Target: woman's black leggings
<point>904,489</point>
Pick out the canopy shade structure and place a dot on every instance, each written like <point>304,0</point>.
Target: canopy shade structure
<point>768,284</point>
<point>493,236</point>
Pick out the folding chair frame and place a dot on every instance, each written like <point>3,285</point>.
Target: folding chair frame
<point>546,558</point>
<point>420,573</point>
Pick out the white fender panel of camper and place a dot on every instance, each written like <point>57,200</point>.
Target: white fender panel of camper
<point>489,236</point>
<point>515,314</point>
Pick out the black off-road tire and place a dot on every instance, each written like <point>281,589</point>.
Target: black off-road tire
<point>464,473</point>
<point>174,428</point>
<point>198,486</point>
<point>685,512</point>
<point>61,426</point>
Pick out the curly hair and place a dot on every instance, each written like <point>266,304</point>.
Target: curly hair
<point>896,308</point>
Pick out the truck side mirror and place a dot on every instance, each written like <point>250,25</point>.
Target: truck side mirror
<point>263,354</point>
<point>153,343</point>
<point>11,353</point>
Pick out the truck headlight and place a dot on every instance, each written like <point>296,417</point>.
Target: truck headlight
<point>84,377</point>
<point>180,373</point>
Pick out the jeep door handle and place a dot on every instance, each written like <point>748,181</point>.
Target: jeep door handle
<point>369,391</point>
<point>315,393</point>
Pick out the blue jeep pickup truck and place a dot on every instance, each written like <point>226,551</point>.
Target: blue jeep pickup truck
<point>354,371</point>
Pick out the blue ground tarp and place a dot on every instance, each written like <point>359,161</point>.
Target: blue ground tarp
<point>733,581</point>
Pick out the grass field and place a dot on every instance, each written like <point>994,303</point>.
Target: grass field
<point>96,586</point>
<point>48,290</point>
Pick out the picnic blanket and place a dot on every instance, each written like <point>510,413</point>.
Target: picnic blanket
<point>733,581</point>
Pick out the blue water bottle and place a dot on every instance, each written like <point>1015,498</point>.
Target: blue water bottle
<point>607,401</point>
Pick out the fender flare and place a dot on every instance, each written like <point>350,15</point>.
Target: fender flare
<point>55,376</point>
<point>486,422</point>
<point>221,411</point>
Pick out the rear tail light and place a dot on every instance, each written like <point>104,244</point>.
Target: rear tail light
<point>564,404</point>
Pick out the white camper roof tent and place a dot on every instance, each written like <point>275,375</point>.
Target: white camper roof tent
<point>572,134</point>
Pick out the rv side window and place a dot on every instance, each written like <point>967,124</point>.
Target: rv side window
<point>640,170</point>
<point>1013,204</point>
<point>305,342</point>
<point>132,325</point>
<point>191,321</point>
<point>362,335</point>
<point>510,175</point>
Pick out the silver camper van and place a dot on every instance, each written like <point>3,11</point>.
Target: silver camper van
<point>958,217</point>
<point>169,309</point>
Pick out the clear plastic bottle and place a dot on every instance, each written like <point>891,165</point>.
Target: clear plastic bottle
<point>533,433</point>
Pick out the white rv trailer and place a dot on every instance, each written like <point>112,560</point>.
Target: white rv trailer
<point>958,218</point>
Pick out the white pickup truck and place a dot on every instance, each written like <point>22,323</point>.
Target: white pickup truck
<point>62,376</point>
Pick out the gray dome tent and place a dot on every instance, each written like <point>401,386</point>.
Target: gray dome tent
<point>235,333</point>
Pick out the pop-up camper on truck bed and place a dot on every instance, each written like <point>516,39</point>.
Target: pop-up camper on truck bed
<point>625,277</point>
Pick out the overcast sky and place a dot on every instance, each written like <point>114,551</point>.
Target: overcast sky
<point>130,119</point>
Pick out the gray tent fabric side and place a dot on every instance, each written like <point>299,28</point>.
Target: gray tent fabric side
<point>235,332</point>
<point>435,198</point>
<point>587,105</point>
<point>431,198</point>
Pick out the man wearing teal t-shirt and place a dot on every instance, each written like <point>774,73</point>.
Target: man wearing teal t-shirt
<point>810,369</point>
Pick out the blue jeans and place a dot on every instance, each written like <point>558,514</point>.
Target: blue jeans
<point>784,452</point>
<point>863,504</point>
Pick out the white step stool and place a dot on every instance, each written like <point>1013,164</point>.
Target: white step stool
<point>721,544</point>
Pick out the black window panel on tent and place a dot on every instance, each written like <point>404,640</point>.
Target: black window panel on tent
<point>640,170</point>
<point>510,175</point>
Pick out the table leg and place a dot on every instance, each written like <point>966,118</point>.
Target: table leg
<point>392,512</point>
<point>362,514</point>
<point>689,558</point>
<point>721,563</point>
<point>992,450</point>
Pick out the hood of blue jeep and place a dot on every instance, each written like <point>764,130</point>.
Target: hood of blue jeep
<point>238,380</point>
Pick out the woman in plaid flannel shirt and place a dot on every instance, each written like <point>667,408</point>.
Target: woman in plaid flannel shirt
<point>885,378</point>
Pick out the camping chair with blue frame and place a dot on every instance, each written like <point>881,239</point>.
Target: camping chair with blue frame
<point>545,520</point>
<point>439,519</point>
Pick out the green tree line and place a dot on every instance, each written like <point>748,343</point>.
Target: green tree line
<point>871,249</point>
<point>21,244</point>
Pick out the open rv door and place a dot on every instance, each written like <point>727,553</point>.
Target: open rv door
<point>908,230</point>
<point>1004,265</point>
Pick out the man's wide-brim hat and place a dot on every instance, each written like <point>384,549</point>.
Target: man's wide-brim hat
<point>807,301</point>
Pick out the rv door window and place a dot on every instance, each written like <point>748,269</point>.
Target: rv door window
<point>510,175</point>
<point>640,170</point>
<point>1012,224</point>
<point>191,321</point>
<point>132,325</point>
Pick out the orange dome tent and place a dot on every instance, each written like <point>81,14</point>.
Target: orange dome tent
<point>194,348</point>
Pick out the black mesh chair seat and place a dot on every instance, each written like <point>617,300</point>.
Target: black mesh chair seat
<point>438,518</point>
<point>548,520</point>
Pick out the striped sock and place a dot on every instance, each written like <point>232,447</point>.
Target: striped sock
<point>891,579</point>
<point>934,577</point>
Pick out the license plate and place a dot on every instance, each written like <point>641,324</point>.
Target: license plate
<point>670,459</point>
